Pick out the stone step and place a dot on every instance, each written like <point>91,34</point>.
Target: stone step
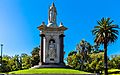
<point>50,66</point>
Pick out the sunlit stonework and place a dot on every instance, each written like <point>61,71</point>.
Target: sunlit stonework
<point>52,41</point>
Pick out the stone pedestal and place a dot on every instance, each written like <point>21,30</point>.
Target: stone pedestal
<point>52,41</point>
<point>52,48</point>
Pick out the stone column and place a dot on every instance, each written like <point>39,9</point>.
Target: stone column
<point>62,49</point>
<point>41,48</point>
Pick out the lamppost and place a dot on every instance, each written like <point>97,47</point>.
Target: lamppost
<point>1,53</point>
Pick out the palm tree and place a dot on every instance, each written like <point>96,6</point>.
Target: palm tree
<point>105,33</point>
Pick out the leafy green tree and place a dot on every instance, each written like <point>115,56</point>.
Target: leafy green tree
<point>84,48</point>
<point>5,64</point>
<point>20,62</point>
<point>78,59</point>
<point>12,64</point>
<point>35,56</point>
<point>105,33</point>
<point>115,62</point>
<point>15,63</point>
<point>72,52</point>
<point>96,62</point>
<point>74,61</point>
<point>26,61</point>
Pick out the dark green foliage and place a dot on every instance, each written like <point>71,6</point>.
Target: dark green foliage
<point>35,56</point>
<point>96,63</point>
<point>74,61</point>
<point>115,62</point>
<point>15,63</point>
<point>20,62</point>
<point>26,61</point>
<point>88,58</point>
<point>72,52</point>
<point>84,48</point>
<point>5,67</point>
<point>93,64</point>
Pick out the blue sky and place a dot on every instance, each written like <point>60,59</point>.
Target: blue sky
<point>19,20</point>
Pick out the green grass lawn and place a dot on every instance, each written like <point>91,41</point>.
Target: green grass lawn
<point>49,71</point>
<point>113,70</point>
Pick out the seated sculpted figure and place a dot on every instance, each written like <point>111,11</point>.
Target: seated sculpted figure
<point>51,49</point>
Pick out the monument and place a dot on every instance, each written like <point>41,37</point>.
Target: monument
<point>52,41</point>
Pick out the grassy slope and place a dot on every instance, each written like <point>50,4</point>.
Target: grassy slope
<point>49,71</point>
<point>113,70</point>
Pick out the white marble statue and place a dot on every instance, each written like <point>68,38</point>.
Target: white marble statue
<point>51,16</point>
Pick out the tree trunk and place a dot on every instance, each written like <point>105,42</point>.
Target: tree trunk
<point>105,59</point>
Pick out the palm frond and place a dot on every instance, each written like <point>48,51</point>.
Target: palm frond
<point>105,30</point>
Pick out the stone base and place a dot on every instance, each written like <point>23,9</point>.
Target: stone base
<point>50,66</point>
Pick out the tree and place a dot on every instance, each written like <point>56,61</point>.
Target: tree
<point>84,48</point>
<point>5,64</point>
<point>14,62</point>
<point>78,59</point>
<point>35,56</point>
<point>26,61</point>
<point>74,61</point>
<point>105,33</point>
<point>115,62</point>
<point>72,52</point>
<point>96,62</point>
